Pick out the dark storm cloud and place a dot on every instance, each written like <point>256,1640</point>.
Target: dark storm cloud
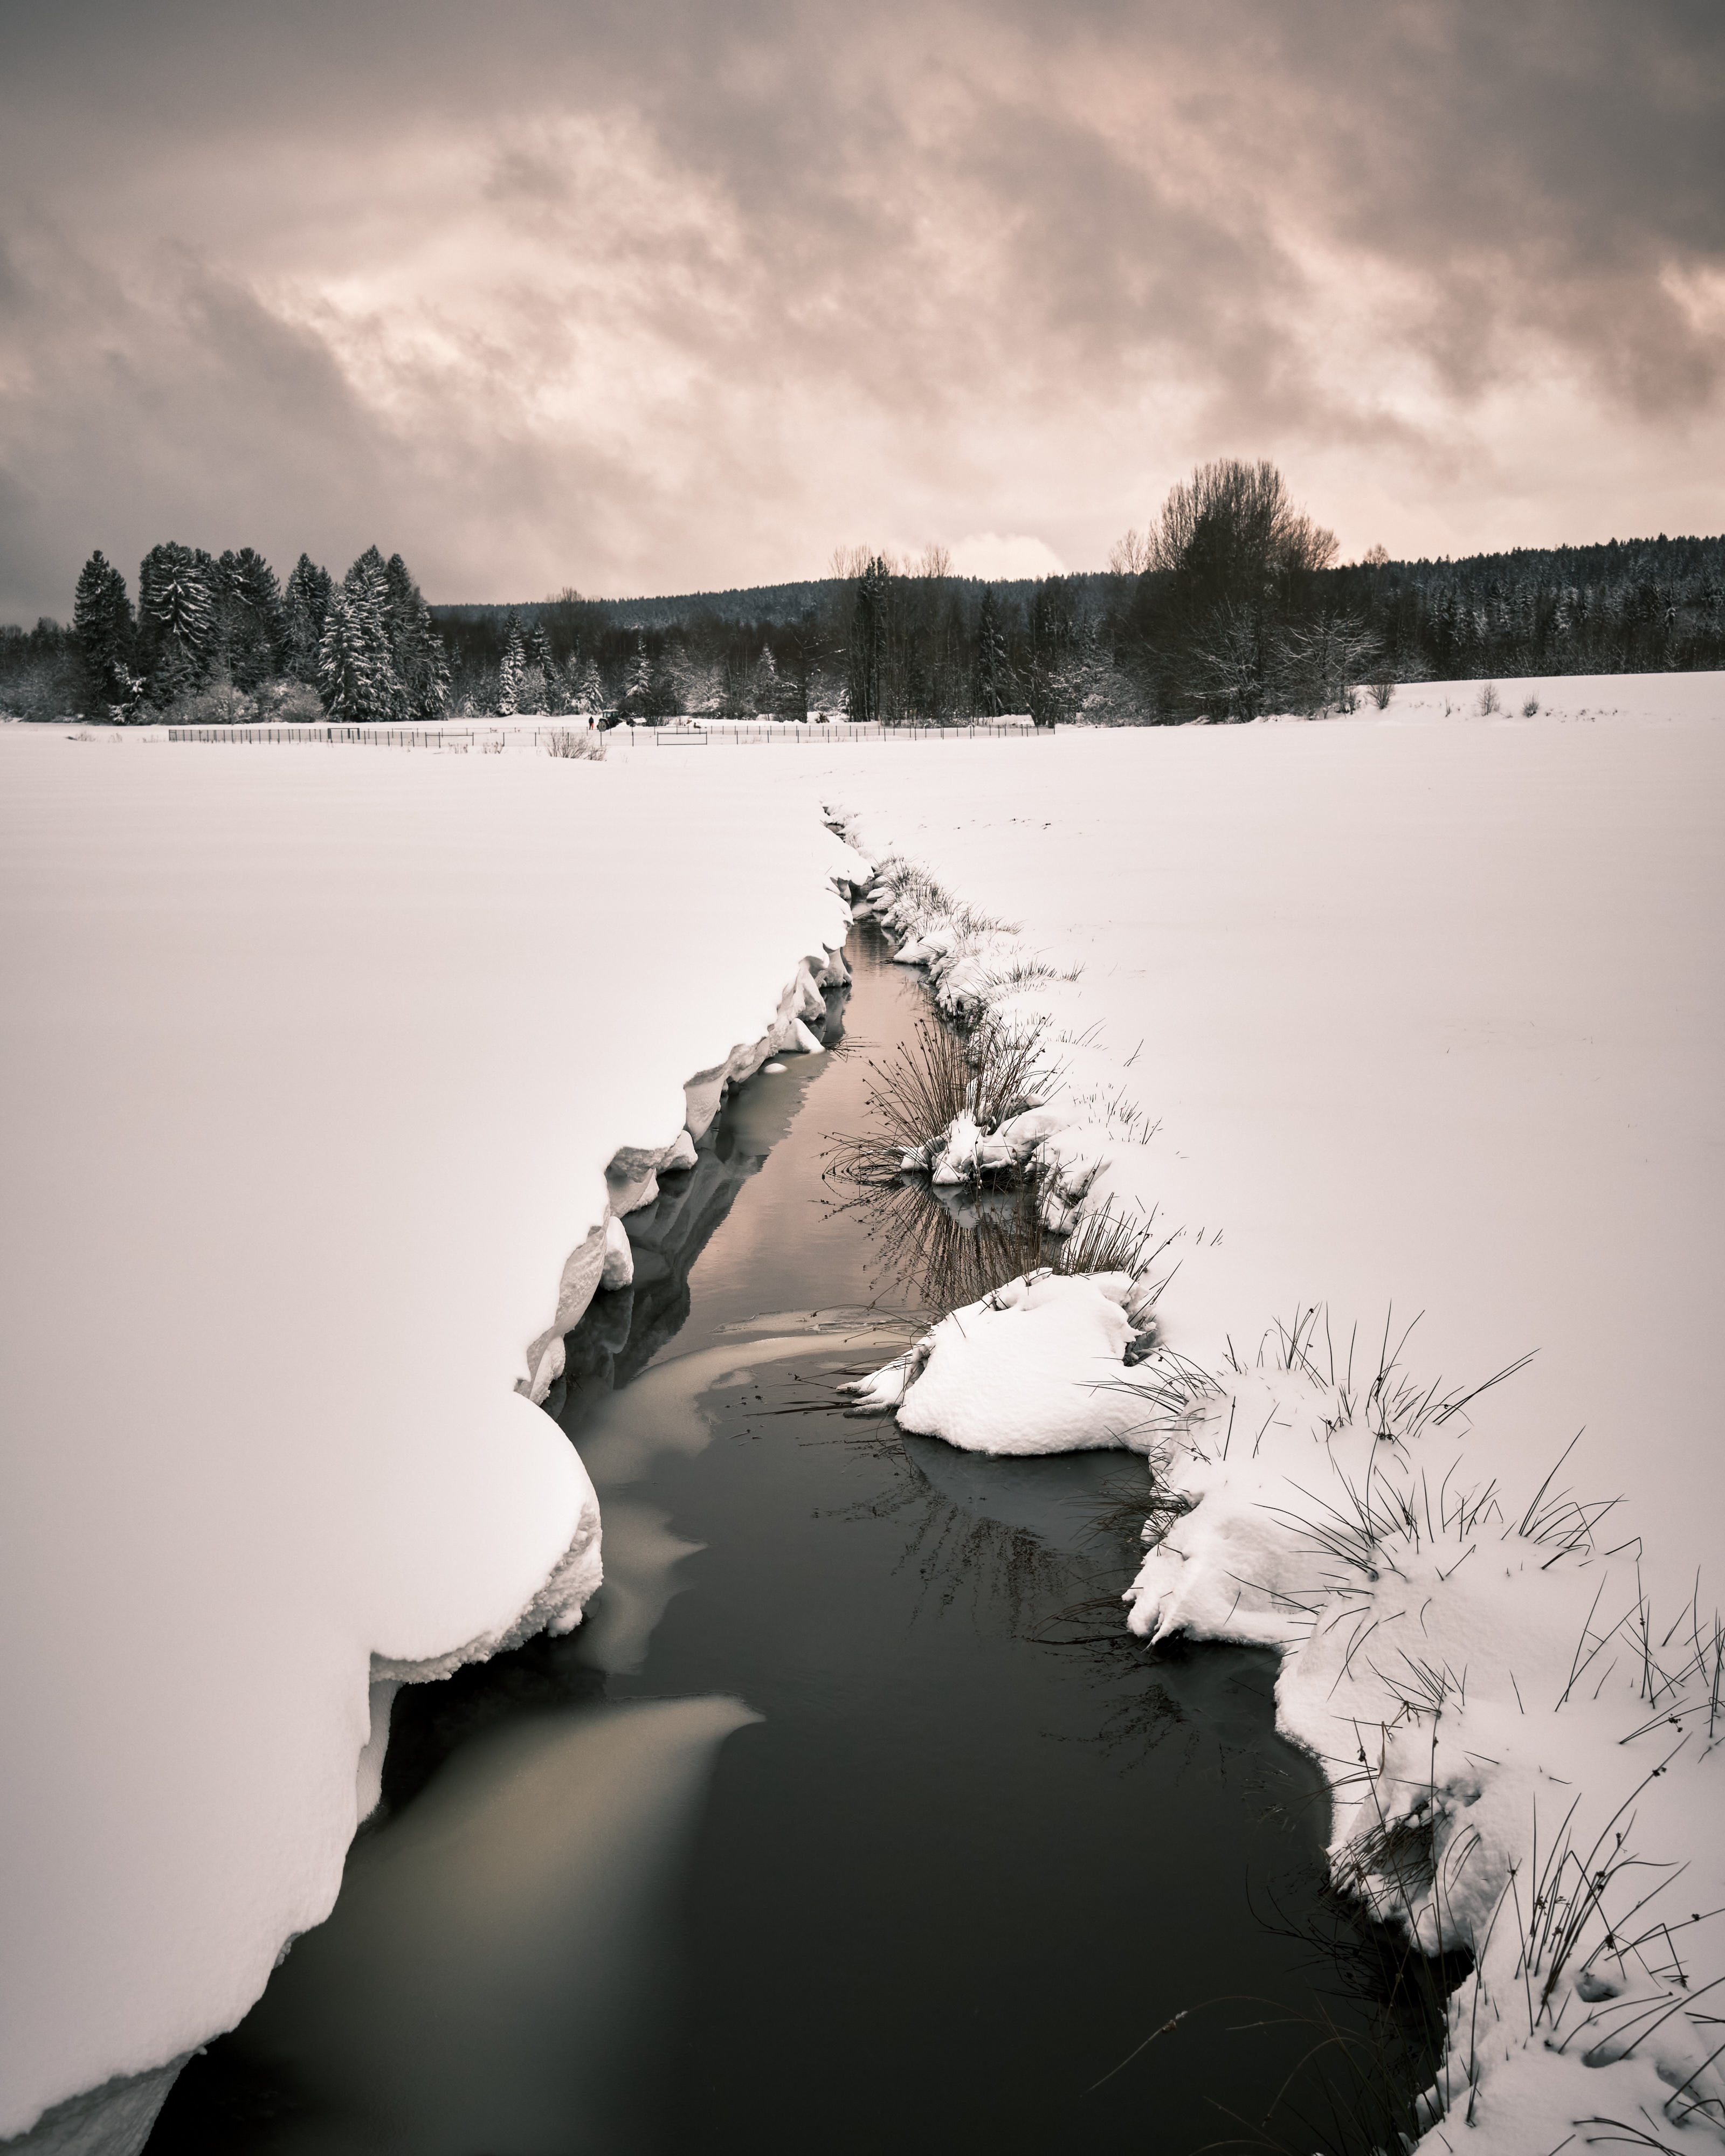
<point>651,294</point>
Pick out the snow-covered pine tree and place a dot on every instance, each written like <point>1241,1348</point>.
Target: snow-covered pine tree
<point>537,688</point>
<point>176,620</point>
<point>130,698</point>
<point>305,603</point>
<point>416,650</point>
<point>428,689</point>
<point>665,686</point>
<point>588,695</point>
<point>767,683</point>
<point>638,686</point>
<point>510,668</point>
<point>351,679</point>
<point>249,624</point>
<point>102,621</point>
<point>367,585</point>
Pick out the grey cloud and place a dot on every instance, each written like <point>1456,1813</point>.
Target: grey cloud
<point>651,294</point>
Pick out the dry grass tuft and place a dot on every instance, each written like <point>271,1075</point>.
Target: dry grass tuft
<point>1106,1241</point>
<point>587,743</point>
<point>936,1076</point>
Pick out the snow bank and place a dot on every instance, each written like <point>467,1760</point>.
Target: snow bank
<point>316,1064</point>
<point>1418,1011</point>
<point>1527,1760</point>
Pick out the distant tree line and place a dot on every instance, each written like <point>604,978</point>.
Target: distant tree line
<point>220,639</point>
<point>1230,605</point>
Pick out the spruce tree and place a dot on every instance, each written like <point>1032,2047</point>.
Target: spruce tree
<point>349,671</point>
<point>102,621</point>
<point>416,650</point>
<point>665,698</point>
<point>767,684</point>
<point>510,667</point>
<point>305,604</point>
<point>367,588</point>
<point>249,624</point>
<point>638,688</point>
<point>588,695</point>
<point>428,685</point>
<point>176,620</point>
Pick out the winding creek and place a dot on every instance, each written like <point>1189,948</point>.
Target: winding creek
<point>851,1819</point>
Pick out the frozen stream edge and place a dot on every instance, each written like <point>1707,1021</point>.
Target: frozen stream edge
<point>115,2118</point>
<point>1484,1799</point>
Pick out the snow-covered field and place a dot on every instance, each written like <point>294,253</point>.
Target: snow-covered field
<point>315,1060</point>
<point>1416,1014</point>
<point>314,1065</point>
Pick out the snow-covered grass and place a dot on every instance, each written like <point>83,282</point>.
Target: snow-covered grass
<point>1406,1019</point>
<point>318,1068</point>
<point>1591,698</point>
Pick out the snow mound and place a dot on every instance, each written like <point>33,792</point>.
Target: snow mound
<point>1033,1368</point>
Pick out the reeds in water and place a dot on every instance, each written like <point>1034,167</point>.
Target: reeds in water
<point>938,1075</point>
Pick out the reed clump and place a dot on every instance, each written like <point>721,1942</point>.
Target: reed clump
<point>990,1074</point>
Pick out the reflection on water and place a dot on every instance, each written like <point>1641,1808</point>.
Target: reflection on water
<point>962,1847</point>
<point>662,1413</point>
<point>946,1247</point>
<point>496,1958</point>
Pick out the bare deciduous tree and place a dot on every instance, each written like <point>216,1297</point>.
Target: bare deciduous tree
<point>1323,661</point>
<point>1233,524</point>
<point>1227,663</point>
<point>1130,554</point>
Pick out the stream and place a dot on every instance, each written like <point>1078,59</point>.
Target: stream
<point>851,1819</point>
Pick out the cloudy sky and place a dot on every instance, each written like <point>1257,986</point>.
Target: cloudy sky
<point>666,294</point>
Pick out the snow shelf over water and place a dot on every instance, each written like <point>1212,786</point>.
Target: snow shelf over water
<point>314,1065</point>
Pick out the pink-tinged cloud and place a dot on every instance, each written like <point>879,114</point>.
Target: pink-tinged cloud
<point>666,296</point>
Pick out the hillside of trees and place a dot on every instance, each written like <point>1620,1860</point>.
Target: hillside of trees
<point>1230,606</point>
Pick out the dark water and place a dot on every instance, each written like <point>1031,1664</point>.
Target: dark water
<point>850,1821</point>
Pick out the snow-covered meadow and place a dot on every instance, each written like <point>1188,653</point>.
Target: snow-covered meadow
<point>314,1065</point>
<point>317,1060</point>
<point>1409,1020</point>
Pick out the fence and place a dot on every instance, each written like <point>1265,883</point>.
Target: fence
<point>815,736</point>
<point>631,737</point>
<point>372,737</point>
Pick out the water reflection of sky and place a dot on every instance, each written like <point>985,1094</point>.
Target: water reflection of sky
<point>497,1955</point>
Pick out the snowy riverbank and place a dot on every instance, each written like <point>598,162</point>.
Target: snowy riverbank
<point>316,1067</point>
<point>1420,1012</point>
